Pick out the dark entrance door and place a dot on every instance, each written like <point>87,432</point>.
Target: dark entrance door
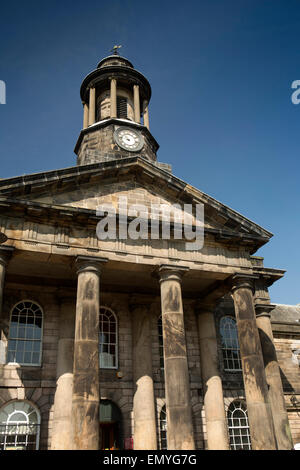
<point>109,436</point>
<point>110,426</point>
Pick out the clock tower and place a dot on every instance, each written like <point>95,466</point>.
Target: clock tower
<point>115,99</point>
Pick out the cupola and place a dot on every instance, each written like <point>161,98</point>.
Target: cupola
<point>115,99</point>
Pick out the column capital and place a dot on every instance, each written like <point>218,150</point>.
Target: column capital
<point>5,254</point>
<point>169,272</point>
<point>90,264</point>
<point>243,281</point>
<point>263,310</point>
<point>261,294</point>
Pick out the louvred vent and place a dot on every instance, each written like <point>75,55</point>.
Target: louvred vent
<point>121,107</point>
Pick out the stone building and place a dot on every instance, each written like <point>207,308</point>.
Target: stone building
<point>123,343</point>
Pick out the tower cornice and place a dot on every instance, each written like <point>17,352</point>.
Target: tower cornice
<point>100,77</point>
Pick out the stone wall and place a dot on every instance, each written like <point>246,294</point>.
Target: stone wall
<point>294,420</point>
<point>289,363</point>
<point>287,353</point>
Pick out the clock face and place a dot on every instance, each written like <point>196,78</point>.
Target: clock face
<point>129,139</point>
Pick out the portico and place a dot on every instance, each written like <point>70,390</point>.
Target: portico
<point>168,284</point>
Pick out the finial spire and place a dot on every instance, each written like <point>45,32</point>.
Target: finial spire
<point>115,49</point>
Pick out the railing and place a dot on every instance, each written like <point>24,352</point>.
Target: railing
<point>19,436</point>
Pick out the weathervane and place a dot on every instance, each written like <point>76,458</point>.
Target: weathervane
<point>115,49</point>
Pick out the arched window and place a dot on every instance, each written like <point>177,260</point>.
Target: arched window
<point>160,343</point>
<point>19,426</point>
<point>108,339</point>
<point>230,344</point>
<point>238,427</point>
<point>163,428</point>
<point>25,334</point>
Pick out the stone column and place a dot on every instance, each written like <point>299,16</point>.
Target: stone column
<point>86,395</point>
<point>85,115</point>
<point>177,386</point>
<point>136,103</point>
<point>146,115</point>
<point>143,400</point>
<point>92,106</point>
<point>215,417</point>
<point>113,98</point>
<point>61,428</point>
<point>256,388</point>
<point>272,370</point>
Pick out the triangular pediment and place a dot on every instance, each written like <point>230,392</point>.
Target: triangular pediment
<point>93,196</point>
<point>139,181</point>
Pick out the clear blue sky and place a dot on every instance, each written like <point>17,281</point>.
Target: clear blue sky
<point>221,110</point>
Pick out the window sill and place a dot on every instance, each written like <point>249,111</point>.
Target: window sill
<point>16,365</point>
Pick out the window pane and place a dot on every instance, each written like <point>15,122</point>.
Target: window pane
<point>27,357</point>
<point>37,333</point>
<point>230,345</point>
<point>112,338</point>
<point>36,346</point>
<point>21,346</point>
<point>107,339</point>
<point>25,325</point>
<point>21,332</point>
<point>28,345</point>
<point>35,358</point>
<point>29,333</point>
<point>238,427</point>
<point>19,357</point>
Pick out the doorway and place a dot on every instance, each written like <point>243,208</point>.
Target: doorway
<point>110,426</point>
<point>109,436</point>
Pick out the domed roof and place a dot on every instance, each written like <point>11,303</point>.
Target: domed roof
<point>114,59</point>
<point>120,68</point>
